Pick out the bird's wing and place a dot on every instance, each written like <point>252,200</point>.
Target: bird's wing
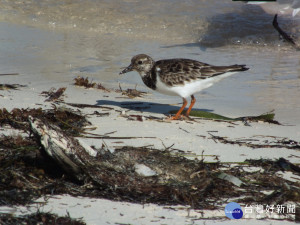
<point>179,71</point>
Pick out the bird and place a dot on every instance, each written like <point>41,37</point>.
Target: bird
<point>179,76</point>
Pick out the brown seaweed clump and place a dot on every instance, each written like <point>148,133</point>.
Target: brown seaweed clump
<point>11,86</point>
<point>53,94</point>
<point>39,218</point>
<point>68,120</point>
<point>84,82</point>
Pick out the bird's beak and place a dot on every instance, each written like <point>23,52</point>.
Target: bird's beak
<point>126,70</point>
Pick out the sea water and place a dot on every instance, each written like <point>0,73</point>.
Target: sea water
<point>49,41</point>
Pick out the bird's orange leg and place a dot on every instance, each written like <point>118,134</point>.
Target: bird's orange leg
<point>177,116</point>
<point>191,105</point>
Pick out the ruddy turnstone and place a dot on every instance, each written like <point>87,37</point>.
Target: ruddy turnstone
<point>182,77</point>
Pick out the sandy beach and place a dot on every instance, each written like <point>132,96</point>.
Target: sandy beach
<point>143,120</point>
<point>50,53</point>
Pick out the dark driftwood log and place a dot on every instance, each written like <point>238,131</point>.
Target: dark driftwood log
<point>61,148</point>
<point>284,35</point>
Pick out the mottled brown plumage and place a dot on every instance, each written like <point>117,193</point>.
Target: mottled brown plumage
<point>182,77</point>
<point>178,71</point>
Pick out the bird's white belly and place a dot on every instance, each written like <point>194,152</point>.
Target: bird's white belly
<point>189,88</point>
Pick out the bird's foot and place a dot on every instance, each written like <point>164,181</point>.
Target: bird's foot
<point>180,117</point>
<point>169,118</point>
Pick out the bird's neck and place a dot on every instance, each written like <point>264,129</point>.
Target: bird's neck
<point>149,79</point>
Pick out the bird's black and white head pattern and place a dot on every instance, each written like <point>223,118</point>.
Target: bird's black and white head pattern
<point>141,63</point>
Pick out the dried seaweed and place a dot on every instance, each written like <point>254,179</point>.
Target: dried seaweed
<point>80,81</point>
<point>53,94</point>
<point>27,172</point>
<point>39,218</point>
<point>84,82</point>
<point>275,143</point>
<point>280,165</point>
<point>11,86</point>
<point>22,171</point>
<point>68,120</point>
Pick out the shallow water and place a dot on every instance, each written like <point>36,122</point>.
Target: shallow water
<point>53,41</point>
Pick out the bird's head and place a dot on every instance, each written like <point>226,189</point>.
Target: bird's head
<point>140,63</point>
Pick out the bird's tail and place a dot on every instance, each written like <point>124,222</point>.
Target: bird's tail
<point>232,68</point>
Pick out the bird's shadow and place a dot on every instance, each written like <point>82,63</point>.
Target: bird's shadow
<point>151,107</point>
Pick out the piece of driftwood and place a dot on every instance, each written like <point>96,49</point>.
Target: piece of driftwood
<point>284,35</point>
<point>63,149</point>
<point>8,74</point>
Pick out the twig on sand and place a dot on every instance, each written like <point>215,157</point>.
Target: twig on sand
<point>8,74</point>
<point>79,105</point>
<point>11,86</point>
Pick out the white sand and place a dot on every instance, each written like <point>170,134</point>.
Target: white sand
<point>100,211</point>
<point>191,137</point>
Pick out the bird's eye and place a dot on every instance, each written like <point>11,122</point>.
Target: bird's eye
<point>140,62</point>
